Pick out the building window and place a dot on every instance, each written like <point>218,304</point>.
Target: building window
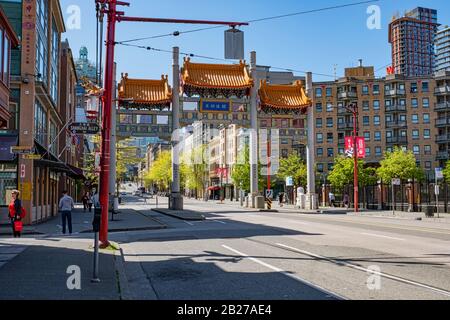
<point>320,167</point>
<point>330,152</point>
<point>40,124</point>
<point>416,150</point>
<point>318,107</point>
<point>319,138</point>
<point>366,121</point>
<point>341,150</point>
<point>330,137</point>
<point>414,103</point>
<point>376,104</point>
<point>415,134</point>
<point>428,165</point>
<point>318,93</point>
<point>387,103</point>
<point>427,150</point>
<point>376,89</point>
<point>426,134</point>
<point>426,118</point>
<point>319,123</point>
<point>413,87</point>
<point>415,118</point>
<point>42,39</point>
<point>377,136</point>
<point>5,57</point>
<point>425,87</point>
<point>330,166</point>
<point>54,63</point>
<point>329,92</point>
<point>368,152</point>
<point>329,122</point>
<point>378,151</point>
<point>365,90</point>
<point>365,105</point>
<point>367,136</point>
<point>329,107</point>
<point>425,103</point>
<point>376,120</point>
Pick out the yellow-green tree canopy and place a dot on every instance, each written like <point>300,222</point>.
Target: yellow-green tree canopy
<point>343,173</point>
<point>161,171</point>
<point>399,164</point>
<point>293,166</point>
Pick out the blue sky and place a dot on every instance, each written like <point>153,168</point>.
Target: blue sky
<point>312,42</point>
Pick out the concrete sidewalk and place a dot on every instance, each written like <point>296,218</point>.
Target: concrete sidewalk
<point>126,220</point>
<point>42,271</point>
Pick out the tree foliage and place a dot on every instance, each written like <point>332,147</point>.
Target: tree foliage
<point>241,172</point>
<point>293,166</point>
<point>446,171</point>
<point>343,173</point>
<point>194,168</point>
<point>399,164</point>
<point>160,173</point>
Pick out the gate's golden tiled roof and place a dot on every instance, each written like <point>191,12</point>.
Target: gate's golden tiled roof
<point>287,97</point>
<point>145,92</point>
<point>216,76</point>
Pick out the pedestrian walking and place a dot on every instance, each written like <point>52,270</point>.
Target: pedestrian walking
<point>95,199</point>
<point>16,214</point>
<point>332,199</point>
<point>66,205</point>
<point>346,201</point>
<point>86,200</point>
<point>280,199</point>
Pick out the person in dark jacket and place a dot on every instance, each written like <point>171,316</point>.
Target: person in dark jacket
<point>16,214</point>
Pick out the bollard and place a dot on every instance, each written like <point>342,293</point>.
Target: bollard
<point>96,228</point>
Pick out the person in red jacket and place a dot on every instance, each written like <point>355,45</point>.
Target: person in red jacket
<point>16,213</point>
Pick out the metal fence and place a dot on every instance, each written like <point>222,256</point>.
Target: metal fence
<point>408,196</point>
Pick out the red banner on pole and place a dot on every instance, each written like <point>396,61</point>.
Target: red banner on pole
<point>360,145</point>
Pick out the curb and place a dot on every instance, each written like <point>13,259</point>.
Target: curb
<point>128,229</point>
<point>201,218</point>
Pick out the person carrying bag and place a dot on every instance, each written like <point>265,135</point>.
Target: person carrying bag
<point>16,214</point>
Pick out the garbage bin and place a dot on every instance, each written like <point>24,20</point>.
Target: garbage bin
<point>428,210</point>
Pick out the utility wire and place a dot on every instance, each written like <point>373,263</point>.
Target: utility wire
<point>192,55</point>
<point>177,33</point>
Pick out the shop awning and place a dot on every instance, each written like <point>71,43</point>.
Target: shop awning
<point>77,173</point>
<point>215,188</point>
<point>211,79</point>
<point>286,98</point>
<point>6,142</point>
<point>145,93</point>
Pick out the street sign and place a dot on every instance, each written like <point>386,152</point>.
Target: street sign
<point>396,182</point>
<point>289,182</point>
<point>439,173</point>
<point>22,150</point>
<point>84,128</point>
<point>436,189</point>
<point>269,194</point>
<point>32,157</point>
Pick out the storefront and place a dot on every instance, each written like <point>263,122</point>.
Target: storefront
<point>8,172</point>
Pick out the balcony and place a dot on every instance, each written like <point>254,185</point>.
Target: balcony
<point>442,122</point>
<point>343,111</point>
<point>445,138</point>
<point>395,92</point>
<point>396,140</point>
<point>396,124</point>
<point>395,108</point>
<point>443,155</point>
<point>346,125</point>
<point>442,90</point>
<point>347,95</point>
<point>443,106</point>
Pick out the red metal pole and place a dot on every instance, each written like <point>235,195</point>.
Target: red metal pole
<point>269,162</point>
<point>355,154</point>
<point>106,121</point>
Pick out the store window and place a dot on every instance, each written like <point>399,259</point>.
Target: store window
<point>8,182</point>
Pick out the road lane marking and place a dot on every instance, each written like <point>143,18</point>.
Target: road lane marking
<point>346,264</point>
<point>215,220</point>
<point>290,275</point>
<point>381,236</point>
<point>187,222</point>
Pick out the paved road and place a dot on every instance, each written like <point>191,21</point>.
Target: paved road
<point>239,254</point>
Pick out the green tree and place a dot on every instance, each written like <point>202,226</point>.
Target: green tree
<point>399,164</point>
<point>241,172</point>
<point>343,173</point>
<point>161,171</point>
<point>446,171</point>
<point>293,166</point>
<point>194,169</point>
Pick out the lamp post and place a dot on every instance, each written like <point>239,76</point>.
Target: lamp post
<point>353,108</point>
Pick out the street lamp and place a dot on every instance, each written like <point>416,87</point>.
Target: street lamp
<point>353,108</point>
